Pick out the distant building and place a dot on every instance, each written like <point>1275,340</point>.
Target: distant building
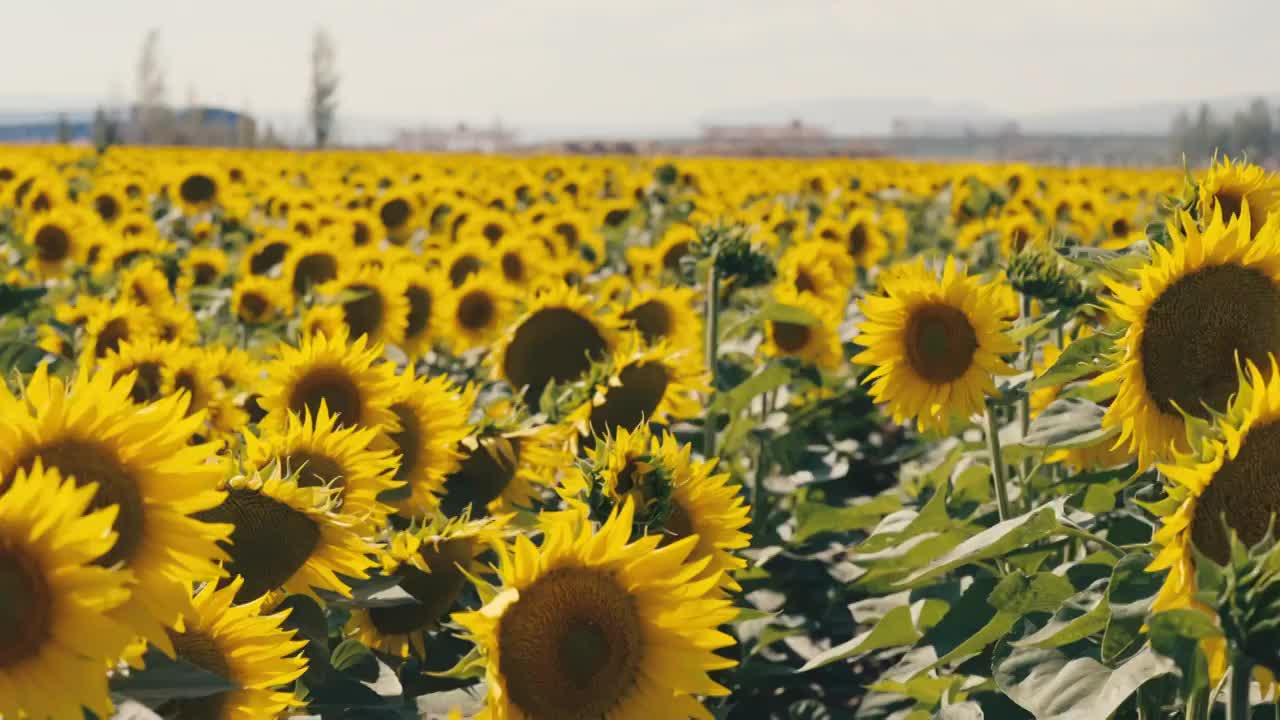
<point>952,127</point>
<point>793,132</point>
<point>198,125</point>
<point>460,139</point>
<point>26,128</point>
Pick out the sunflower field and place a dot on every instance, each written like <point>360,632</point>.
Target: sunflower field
<point>374,435</point>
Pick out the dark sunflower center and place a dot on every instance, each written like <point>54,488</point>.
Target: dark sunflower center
<point>360,234</point>
<point>643,386</point>
<point>940,343</point>
<point>1194,330</point>
<point>419,311</point>
<point>1246,490</point>
<point>1231,202</point>
<point>186,380</point>
<point>334,387</point>
<point>652,319</point>
<point>146,383</point>
<point>109,338</point>
<point>671,258</point>
<point>205,274</point>
<point>679,524</point>
<point>52,244</point>
<point>25,606</point>
<point>857,240</point>
<point>408,440</point>
<point>791,337</point>
<point>270,541</point>
<point>435,591</point>
<point>804,281</point>
<point>629,477</point>
<point>394,213</point>
<point>267,258</point>
<point>1119,228</point>
<point>197,189</point>
<point>364,315</point>
<point>480,480</point>
<point>614,218</point>
<point>554,343</point>
<point>314,469</point>
<point>87,462</point>
<point>1019,237</point>
<point>199,650</point>
<point>512,267</point>
<point>254,307</point>
<point>463,268</point>
<point>493,232</point>
<point>313,270</point>
<point>571,646</point>
<point>476,310</point>
<point>569,232</point>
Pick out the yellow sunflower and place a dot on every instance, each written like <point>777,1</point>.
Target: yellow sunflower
<point>425,292</point>
<point>145,283</point>
<point>1229,188</point>
<point>265,253</point>
<point>862,239</point>
<point>203,267</point>
<point>146,360</point>
<point>815,342</point>
<point>557,339</point>
<point>260,300</point>
<point>287,536</point>
<point>57,631</point>
<point>935,343</point>
<point>397,212</point>
<point>505,470</point>
<point>432,419</point>
<point>589,625</point>
<point>475,311</point>
<point>466,258</point>
<point>807,268</point>
<point>432,564</point>
<point>196,189</point>
<point>240,643</point>
<point>349,377</point>
<point>1213,296</point>
<point>654,384</point>
<point>373,303</point>
<point>312,263</point>
<point>341,461</point>
<point>519,261</point>
<point>57,242</point>
<point>138,459</point>
<point>676,243</point>
<point>666,313</point>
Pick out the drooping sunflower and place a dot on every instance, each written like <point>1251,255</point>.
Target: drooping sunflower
<point>815,342</point>
<point>56,630</point>
<point>557,339</point>
<point>1229,188</point>
<point>1209,299</point>
<point>935,344</point>
<point>653,384</point>
<point>342,461</point>
<point>373,303</point>
<point>665,313</point>
<point>241,644</point>
<point>287,536</point>
<point>138,459</point>
<point>432,563</point>
<point>589,625</point>
<point>312,263</point>
<point>432,419</point>
<point>475,312</point>
<point>425,292</point>
<point>260,300</point>
<point>349,377</point>
<point>56,240</point>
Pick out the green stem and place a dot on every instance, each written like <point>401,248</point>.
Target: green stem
<point>1238,697</point>
<point>1198,705</point>
<point>712,348</point>
<point>1024,405</point>
<point>998,478</point>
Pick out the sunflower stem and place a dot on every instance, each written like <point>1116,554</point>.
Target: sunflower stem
<point>1024,404</point>
<point>712,348</point>
<point>1198,705</point>
<point>1238,697</point>
<point>998,477</point>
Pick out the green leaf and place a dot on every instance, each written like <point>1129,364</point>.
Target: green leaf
<point>23,357</point>
<point>965,617</point>
<point>1099,499</point>
<point>1051,684</point>
<point>1024,329</point>
<point>967,710</point>
<point>995,541</point>
<point>1019,594</point>
<point>15,299</point>
<point>1079,616</point>
<point>469,666</point>
<point>900,526</point>
<point>902,625</point>
<point>813,518</point>
<point>1176,634</point>
<point>351,654</point>
<point>778,312</point>
<point>168,678</point>
<point>1069,423</point>
<point>1130,595</point>
<point>737,400</point>
<point>1084,356</point>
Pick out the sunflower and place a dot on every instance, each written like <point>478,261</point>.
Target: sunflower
<point>653,384</point>
<point>313,262</point>
<point>188,370</point>
<point>107,200</point>
<point>806,267</point>
<point>935,344</point>
<point>288,536</point>
<point>56,630</point>
<point>145,283</point>
<point>138,459</point>
<point>349,377</point>
<point>196,189</point>
<point>341,461</point>
<point>397,212</point>
<point>862,239</point>
<point>1229,188</point>
<point>108,325</point>
<point>425,292</point>
<point>432,563</point>
<point>240,643</point>
<point>466,258</point>
<point>146,360</point>
<point>574,231</point>
<point>676,243</point>
<point>504,470</point>
<point>373,303</point>
<point>265,253</point>
<point>589,625</point>
<point>556,340</point>
<point>55,238</point>
<point>328,320</point>
<point>259,300</point>
<point>432,419</point>
<point>665,313</point>
<point>518,260</point>
<point>476,310</point>
<point>815,342</point>
<point>1213,296</point>
<point>203,267</point>
<point>1017,231</point>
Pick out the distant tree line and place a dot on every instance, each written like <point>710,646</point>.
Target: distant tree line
<point>1253,132</point>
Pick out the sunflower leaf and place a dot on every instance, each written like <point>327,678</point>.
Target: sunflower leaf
<point>168,678</point>
<point>1130,594</point>
<point>734,401</point>
<point>995,541</point>
<point>813,518</point>
<point>1078,617</point>
<point>1053,684</point>
<point>779,312</point>
<point>1069,423</point>
<point>1082,357</point>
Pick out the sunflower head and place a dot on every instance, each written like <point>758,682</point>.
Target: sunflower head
<point>813,340</point>
<point>1229,188</point>
<point>476,310</point>
<point>654,384</point>
<point>259,300</point>
<point>373,303</point>
<point>349,377</point>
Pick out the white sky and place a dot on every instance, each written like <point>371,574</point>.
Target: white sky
<point>604,63</point>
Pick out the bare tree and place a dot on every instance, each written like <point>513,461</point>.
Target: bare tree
<point>152,115</point>
<point>324,87</point>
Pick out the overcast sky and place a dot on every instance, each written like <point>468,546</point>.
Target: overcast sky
<point>605,63</point>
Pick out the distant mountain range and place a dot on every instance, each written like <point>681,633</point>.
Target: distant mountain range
<point>859,117</point>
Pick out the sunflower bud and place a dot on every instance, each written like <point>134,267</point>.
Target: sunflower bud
<point>1040,274</point>
<point>1248,600</point>
<point>736,258</point>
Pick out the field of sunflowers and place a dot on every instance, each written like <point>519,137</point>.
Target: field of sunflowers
<point>370,435</point>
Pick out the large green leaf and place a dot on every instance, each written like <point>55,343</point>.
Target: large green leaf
<point>997,540</point>
<point>737,400</point>
<point>778,312</point>
<point>813,518</point>
<point>1069,423</point>
<point>1084,356</point>
<point>1177,635</point>
<point>901,626</point>
<point>168,678</point>
<point>1053,685</point>
<point>1078,617</point>
<point>1129,595</point>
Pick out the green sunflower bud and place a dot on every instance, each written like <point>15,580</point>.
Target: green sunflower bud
<point>1248,600</point>
<point>1039,273</point>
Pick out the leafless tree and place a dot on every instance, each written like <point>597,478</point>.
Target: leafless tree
<point>324,88</point>
<point>153,117</point>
